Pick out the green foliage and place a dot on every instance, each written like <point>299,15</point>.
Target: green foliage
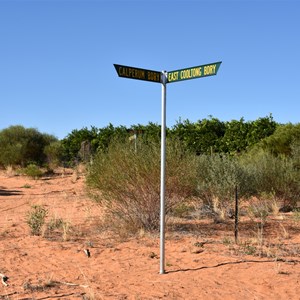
<point>260,210</point>
<point>32,170</point>
<point>20,146</point>
<point>99,139</point>
<point>54,154</point>
<point>260,129</point>
<point>218,176</point>
<point>182,210</point>
<point>150,133</point>
<point>127,182</point>
<point>110,133</point>
<point>235,137</point>
<point>275,175</point>
<point>282,140</point>
<point>35,218</point>
<point>72,143</point>
<point>201,137</point>
<point>55,223</point>
<point>248,248</point>
<point>213,136</point>
<point>295,154</point>
<point>240,135</point>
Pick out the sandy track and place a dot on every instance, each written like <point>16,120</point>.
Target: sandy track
<point>54,266</point>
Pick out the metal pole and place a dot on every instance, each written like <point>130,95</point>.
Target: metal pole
<point>163,172</point>
<point>236,215</point>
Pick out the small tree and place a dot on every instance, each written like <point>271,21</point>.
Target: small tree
<point>20,146</point>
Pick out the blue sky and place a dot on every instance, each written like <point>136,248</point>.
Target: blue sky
<point>57,73</point>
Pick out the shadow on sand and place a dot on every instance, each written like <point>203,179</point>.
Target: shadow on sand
<point>4,192</point>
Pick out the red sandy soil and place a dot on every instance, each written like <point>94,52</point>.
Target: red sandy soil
<point>202,261</point>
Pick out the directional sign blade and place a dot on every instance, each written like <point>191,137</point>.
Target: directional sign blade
<point>194,72</point>
<point>137,73</point>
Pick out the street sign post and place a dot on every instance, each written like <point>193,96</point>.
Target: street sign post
<point>163,170</point>
<point>165,77</point>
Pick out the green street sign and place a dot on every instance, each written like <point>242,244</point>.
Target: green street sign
<point>194,72</point>
<point>137,73</point>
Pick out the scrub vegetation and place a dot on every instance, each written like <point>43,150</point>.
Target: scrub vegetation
<point>126,180</point>
<point>206,162</point>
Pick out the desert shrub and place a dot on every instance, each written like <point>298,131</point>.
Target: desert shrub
<point>19,145</point>
<point>281,141</point>
<point>259,211</point>
<point>218,176</point>
<point>55,223</point>
<point>32,170</point>
<point>182,210</point>
<point>127,182</point>
<point>295,154</point>
<point>54,154</point>
<point>35,218</point>
<point>276,175</point>
<point>57,227</point>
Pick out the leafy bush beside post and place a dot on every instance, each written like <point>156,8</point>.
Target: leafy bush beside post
<point>127,182</point>
<point>218,175</point>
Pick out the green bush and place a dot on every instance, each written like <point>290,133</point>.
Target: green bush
<point>32,170</point>
<point>20,146</point>
<point>282,140</point>
<point>127,182</point>
<point>35,218</point>
<point>218,176</point>
<point>54,154</point>
<point>277,175</point>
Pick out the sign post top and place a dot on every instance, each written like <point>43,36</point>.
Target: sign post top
<point>194,72</point>
<point>172,76</point>
<point>137,73</point>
